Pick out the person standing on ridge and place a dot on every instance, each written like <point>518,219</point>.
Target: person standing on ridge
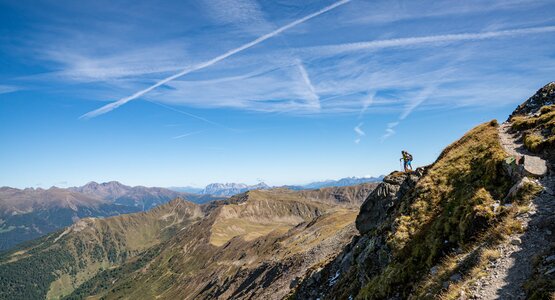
<point>407,160</point>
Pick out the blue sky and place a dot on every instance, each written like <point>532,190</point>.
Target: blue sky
<point>178,93</point>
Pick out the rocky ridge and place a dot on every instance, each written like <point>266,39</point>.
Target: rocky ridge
<point>256,245</point>
<point>366,254</point>
<point>477,224</point>
<point>26,214</point>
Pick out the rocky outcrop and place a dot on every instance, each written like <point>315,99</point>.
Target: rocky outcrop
<point>544,96</point>
<point>387,195</point>
<point>367,254</point>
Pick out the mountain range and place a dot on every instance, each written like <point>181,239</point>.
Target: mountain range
<point>230,189</point>
<point>347,181</point>
<point>30,213</point>
<point>251,245</point>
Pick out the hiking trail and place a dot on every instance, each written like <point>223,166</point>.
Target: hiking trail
<point>506,275</point>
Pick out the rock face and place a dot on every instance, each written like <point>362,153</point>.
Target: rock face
<point>377,206</point>
<point>367,254</point>
<point>544,96</point>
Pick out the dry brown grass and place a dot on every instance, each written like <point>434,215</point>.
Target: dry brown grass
<point>538,131</point>
<point>451,207</point>
<point>484,250</point>
<point>262,213</point>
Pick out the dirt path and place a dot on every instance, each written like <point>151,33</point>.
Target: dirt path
<point>507,274</point>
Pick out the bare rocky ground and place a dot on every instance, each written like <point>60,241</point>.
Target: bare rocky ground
<point>506,275</point>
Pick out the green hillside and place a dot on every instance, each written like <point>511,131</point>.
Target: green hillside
<point>53,266</point>
<point>186,251</point>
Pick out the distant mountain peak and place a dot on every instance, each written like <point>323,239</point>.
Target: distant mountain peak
<point>230,189</point>
<point>347,181</point>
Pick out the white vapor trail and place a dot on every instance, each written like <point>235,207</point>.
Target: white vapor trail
<point>192,116</point>
<point>400,42</point>
<point>360,133</point>
<point>358,129</point>
<point>188,134</point>
<point>111,106</point>
<point>313,96</point>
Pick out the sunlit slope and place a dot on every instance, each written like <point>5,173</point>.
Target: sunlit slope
<point>422,234</point>
<point>53,266</point>
<point>254,246</point>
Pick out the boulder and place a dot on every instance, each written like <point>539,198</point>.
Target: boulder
<point>387,195</point>
<point>534,166</point>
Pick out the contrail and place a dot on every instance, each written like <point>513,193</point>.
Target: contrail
<point>313,96</point>
<point>109,107</point>
<point>191,115</point>
<point>188,134</point>
<point>401,42</point>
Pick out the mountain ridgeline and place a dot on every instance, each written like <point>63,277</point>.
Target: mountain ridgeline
<point>231,189</point>
<point>476,224</point>
<point>27,214</point>
<point>251,245</point>
<point>450,230</point>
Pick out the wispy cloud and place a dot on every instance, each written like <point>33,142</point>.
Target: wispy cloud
<point>281,90</point>
<point>188,134</point>
<point>352,79</point>
<point>381,12</point>
<point>366,102</point>
<point>432,39</point>
<point>4,89</point>
<point>245,14</point>
<point>360,133</point>
<point>122,101</point>
<point>312,96</point>
<point>417,101</point>
<point>411,105</point>
<point>390,130</point>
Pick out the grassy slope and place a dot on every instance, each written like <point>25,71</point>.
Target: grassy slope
<point>264,212</point>
<point>69,258</point>
<point>449,209</point>
<point>86,258</point>
<point>195,263</point>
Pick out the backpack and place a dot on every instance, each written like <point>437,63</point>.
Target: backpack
<point>409,157</point>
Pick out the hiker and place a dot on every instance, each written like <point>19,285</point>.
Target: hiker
<point>407,160</point>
